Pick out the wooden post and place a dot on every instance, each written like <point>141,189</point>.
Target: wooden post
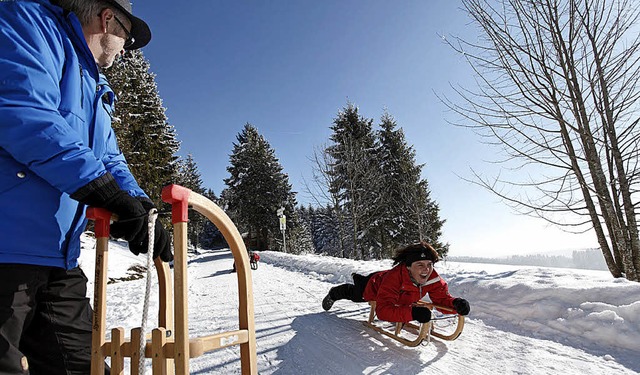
<point>102,220</point>
<point>372,313</point>
<point>398,328</point>
<point>165,286</point>
<point>181,354</point>
<point>136,337</point>
<point>117,357</point>
<point>179,198</point>
<point>159,361</point>
<point>165,313</point>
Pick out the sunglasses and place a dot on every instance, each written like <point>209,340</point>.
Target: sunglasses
<point>130,40</point>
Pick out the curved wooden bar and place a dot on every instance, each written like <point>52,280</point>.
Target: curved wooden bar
<point>181,198</point>
<point>424,330</point>
<point>422,334</point>
<point>459,326</point>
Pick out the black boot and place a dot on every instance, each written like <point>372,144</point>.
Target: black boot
<point>344,291</point>
<point>327,302</point>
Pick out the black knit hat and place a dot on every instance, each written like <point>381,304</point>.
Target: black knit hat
<point>421,254</point>
<point>415,252</point>
<point>139,29</point>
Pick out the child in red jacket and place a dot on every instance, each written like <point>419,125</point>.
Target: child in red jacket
<point>396,290</point>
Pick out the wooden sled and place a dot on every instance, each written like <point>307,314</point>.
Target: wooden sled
<point>421,331</point>
<point>171,347</point>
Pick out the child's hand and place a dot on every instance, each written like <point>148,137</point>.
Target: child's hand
<point>462,306</point>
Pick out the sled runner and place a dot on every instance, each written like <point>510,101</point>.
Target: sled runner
<point>411,334</point>
<point>170,346</point>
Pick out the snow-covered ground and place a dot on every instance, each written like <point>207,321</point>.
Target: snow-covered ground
<point>523,320</point>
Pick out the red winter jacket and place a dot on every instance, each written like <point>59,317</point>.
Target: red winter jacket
<point>394,293</point>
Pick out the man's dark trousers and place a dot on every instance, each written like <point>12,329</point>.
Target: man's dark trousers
<point>45,316</point>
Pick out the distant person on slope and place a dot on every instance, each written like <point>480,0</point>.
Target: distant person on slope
<point>253,261</point>
<point>396,290</point>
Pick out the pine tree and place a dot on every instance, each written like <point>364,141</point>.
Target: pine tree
<point>256,188</point>
<point>323,227</point>
<point>211,237</point>
<point>428,223</point>
<point>144,135</point>
<point>355,178</point>
<point>377,193</point>
<point>399,174</point>
<point>301,240</point>
<point>409,214</point>
<point>189,176</point>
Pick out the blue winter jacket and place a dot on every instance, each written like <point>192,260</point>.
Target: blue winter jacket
<point>55,133</point>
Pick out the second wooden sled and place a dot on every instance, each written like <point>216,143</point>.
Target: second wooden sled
<point>171,347</point>
<point>422,331</point>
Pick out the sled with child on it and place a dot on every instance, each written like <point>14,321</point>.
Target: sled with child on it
<point>447,326</point>
<point>253,260</point>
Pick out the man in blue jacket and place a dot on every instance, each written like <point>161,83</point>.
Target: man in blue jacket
<point>58,155</point>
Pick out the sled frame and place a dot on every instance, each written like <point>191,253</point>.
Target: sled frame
<point>425,330</point>
<point>170,346</point>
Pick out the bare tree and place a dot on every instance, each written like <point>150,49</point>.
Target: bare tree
<point>320,190</point>
<point>558,93</point>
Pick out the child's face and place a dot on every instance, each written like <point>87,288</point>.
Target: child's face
<point>421,270</point>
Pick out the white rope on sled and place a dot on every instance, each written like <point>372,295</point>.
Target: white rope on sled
<point>153,216</point>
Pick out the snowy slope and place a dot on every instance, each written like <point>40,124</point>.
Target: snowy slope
<point>524,320</point>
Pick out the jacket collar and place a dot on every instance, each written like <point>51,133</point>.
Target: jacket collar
<point>408,280</point>
<point>73,29</point>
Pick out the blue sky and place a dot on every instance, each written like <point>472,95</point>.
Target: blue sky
<point>288,67</point>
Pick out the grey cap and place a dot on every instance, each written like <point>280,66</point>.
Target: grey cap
<point>139,29</point>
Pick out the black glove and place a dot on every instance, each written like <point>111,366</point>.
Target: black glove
<point>104,192</point>
<point>421,314</point>
<point>462,306</point>
<point>161,241</point>
<point>132,221</point>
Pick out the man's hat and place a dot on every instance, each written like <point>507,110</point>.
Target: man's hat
<point>139,29</point>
